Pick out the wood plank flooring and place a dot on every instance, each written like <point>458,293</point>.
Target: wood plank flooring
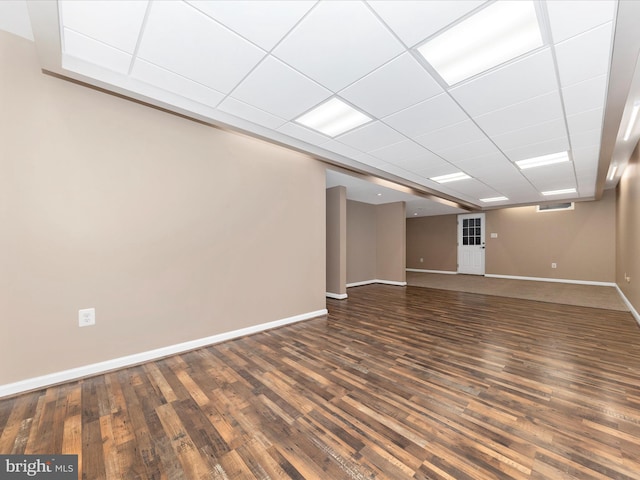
<point>396,383</point>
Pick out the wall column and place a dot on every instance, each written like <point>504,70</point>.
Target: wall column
<point>337,242</point>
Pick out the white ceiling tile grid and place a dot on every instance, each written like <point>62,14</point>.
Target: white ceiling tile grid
<point>265,63</point>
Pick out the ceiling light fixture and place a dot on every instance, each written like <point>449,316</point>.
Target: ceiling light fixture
<point>333,118</point>
<point>452,177</point>
<point>496,34</point>
<point>612,172</point>
<point>559,192</point>
<point>632,120</point>
<point>550,159</point>
<point>494,199</point>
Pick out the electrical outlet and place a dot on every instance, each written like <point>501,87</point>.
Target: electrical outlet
<point>421,260</point>
<point>86,317</point>
<point>554,265</point>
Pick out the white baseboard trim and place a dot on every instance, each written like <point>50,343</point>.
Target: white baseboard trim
<point>37,383</point>
<point>376,280</point>
<point>634,312</point>
<point>337,296</point>
<point>445,272</point>
<point>553,280</point>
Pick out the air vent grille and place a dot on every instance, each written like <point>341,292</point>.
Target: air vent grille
<point>556,207</point>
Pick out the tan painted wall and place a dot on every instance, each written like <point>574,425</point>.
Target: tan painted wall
<point>337,240</point>
<point>376,242</point>
<point>361,242</point>
<point>391,242</point>
<point>434,240</point>
<point>581,242</point>
<point>172,230</point>
<point>628,231</point>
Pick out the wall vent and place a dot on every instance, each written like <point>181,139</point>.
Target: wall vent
<point>556,207</point>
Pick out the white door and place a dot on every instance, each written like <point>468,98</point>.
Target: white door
<point>471,243</point>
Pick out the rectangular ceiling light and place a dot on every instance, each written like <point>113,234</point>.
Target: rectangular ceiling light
<point>333,118</point>
<point>559,192</point>
<point>452,177</point>
<point>550,159</point>
<point>612,172</point>
<point>496,34</point>
<point>493,199</point>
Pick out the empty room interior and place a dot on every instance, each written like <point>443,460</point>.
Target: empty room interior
<point>320,239</point>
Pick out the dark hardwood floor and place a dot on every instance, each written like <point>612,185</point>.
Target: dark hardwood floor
<point>396,383</point>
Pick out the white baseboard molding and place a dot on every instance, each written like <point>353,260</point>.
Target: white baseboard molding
<point>445,272</point>
<point>376,280</point>
<point>634,312</point>
<point>337,296</point>
<point>554,280</point>
<point>37,383</point>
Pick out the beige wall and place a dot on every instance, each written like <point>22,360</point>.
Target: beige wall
<point>434,240</point>
<point>337,240</point>
<point>581,242</point>
<point>171,229</point>
<point>391,242</point>
<point>361,242</point>
<point>376,242</point>
<point>628,231</point>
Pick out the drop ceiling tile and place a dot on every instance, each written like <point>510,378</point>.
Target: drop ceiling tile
<point>531,135</point>
<point>249,112</point>
<point>572,17</point>
<point>340,148</point>
<point>302,133</point>
<point>435,168</point>
<point>586,187</point>
<point>585,95</point>
<point>90,50</point>
<point>542,109</point>
<point>184,40</point>
<point>486,166</point>
<point>427,116</point>
<point>262,22</point>
<point>586,138</point>
<point>586,157</point>
<point>371,137</point>
<point>115,23</point>
<point>397,85</point>
<point>516,82</point>
<point>418,164</point>
<point>278,89</point>
<point>473,188</point>
<point>451,136</point>
<point>581,122</point>
<point>161,78</point>
<point>405,149</point>
<point>553,145</point>
<point>584,56</point>
<point>467,151</point>
<point>414,21</point>
<point>342,54</point>
<point>552,177</point>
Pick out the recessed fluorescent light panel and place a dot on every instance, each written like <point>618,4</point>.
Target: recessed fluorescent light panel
<point>550,159</point>
<point>612,172</point>
<point>559,192</point>
<point>496,34</point>
<point>493,199</point>
<point>632,120</point>
<point>333,118</point>
<point>452,177</point>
